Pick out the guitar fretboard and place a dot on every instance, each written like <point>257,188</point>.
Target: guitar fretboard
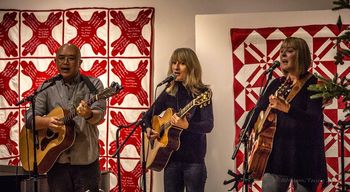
<point>72,113</point>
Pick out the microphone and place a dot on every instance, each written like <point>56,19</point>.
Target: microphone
<point>53,79</point>
<point>274,65</point>
<point>170,78</point>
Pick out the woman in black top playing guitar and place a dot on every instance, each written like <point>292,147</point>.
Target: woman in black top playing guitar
<point>298,154</point>
<point>186,167</point>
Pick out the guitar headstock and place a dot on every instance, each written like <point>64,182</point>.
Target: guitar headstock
<point>109,91</point>
<point>203,99</point>
<point>284,89</point>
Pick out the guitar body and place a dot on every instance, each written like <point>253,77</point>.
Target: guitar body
<point>261,145</point>
<point>163,147</point>
<point>50,144</point>
<point>261,138</point>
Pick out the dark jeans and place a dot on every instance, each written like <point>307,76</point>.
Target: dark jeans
<point>279,183</point>
<point>178,176</point>
<point>74,178</point>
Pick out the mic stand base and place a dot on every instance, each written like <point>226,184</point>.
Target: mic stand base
<point>245,177</point>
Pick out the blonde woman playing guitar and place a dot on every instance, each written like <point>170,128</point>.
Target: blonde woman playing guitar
<point>182,129</point>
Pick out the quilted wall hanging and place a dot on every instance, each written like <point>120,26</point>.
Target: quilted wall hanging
<point>255,49</point>
<point>116,45</point>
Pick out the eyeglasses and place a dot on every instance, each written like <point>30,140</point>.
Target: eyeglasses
<point>69,59</point>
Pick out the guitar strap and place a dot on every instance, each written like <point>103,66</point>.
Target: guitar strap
<point>91,87</point>
<point>297,87</point>
<point>295,90</point>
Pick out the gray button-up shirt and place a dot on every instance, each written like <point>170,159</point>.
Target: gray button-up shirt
<point>85,149</point>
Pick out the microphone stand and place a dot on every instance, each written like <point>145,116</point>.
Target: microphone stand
<point>117,153</point>
<point>31,98</point>
<point>343,126</point>
<point>244,138</point>
<point>136,124</point>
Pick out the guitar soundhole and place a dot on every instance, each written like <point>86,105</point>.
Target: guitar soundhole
<point>50,135</point>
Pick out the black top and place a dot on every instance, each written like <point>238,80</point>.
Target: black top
<point>298,147</point>
<point>193,142</point>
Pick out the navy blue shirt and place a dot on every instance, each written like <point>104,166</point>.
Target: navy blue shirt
<point>193,142</point>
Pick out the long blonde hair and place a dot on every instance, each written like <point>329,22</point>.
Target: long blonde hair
<point>303,55</point>
<point>193,80</point>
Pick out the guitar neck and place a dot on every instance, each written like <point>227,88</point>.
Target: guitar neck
<point>279,93</point>
<point>73,113</point>
<point>182,112</point>
<point>185,110</point>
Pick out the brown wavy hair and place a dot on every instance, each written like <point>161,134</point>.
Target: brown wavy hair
<point>193,80</point>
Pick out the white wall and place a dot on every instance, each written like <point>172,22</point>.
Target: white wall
<point>175,27</point>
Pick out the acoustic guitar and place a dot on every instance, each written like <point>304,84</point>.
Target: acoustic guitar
<point>169,137</point>
<point>261,137</point>
<point>51,144</point>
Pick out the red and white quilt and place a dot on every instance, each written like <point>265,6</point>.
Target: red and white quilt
<point>254,50</point>
<point>116,45</point>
